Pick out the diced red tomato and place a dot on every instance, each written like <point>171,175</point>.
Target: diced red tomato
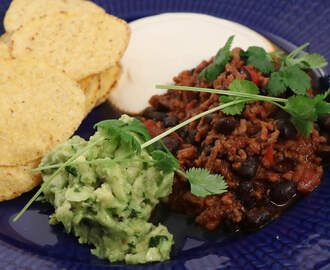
<point>152,127</point>
<point>253,74</point>
<point>309,180</point>
<point>269,155</point>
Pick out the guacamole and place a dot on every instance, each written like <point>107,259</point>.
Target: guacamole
<point>106,197</point>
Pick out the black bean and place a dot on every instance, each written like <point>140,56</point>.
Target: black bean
<point>245,188</point>
<point>324,121</point>
<point>283,191</point>
<point>249,168</point>
<point>172,143</point>
<point>152,113</point>
<point>245,73</point>
<point>148,111</point>
<point>243,193</point>
<point>263,91</point>
<point>230,225</point>
<point>257,217</point>
<point>208,118</point>
<point>183,131</point>
<point>280,114</point>
<point>170,121</point>
<point>285,165</point>
<point>225,125</point>
<point>286,128</point>
<point>162,107</point>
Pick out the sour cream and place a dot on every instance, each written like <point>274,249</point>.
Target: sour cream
<point>162,46</point>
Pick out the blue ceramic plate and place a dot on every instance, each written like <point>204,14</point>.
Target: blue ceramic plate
<point>300,239</point>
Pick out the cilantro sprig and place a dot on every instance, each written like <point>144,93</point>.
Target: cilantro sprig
<point>304,110</point>
<point>203,183</point>
<point>212,71</point>
<point>259,58</point>
<point>292,75</point>
<point>242,87</point>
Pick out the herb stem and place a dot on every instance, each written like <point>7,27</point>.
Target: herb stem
<point>222,92</point>
<point>45,184</point>
<point>294,53</point>
<point>181,172</point>
<point>169,131</point>
<point>91,162</point>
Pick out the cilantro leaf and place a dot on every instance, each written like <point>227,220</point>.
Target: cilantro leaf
<point>305,60</point>
<point>321,106</point>
<point>164,161</point>
<point>234,109</point>
<point>120,129</point>
<point>304,126</point>
<point>293,77</point>
<point>71,170</point>
<point>238,86</point>
<point>204,184</point>
<point>276,85</point>
<point>295,52</point>
<point>296,79</point>
<point>302,107</point>
<point>154,241</point>
<point>305,110</point>
<point>259,58</point>
<point>139,128</point>
<point>212,71</point>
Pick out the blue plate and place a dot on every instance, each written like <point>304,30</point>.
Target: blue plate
<point>300,239</point>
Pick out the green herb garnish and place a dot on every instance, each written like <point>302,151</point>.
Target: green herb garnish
<point>71,170</point>
<point>120,129</point>
<point>305,60</point>
<point>203,183</point>
<point>156,240</point>
<point>238,86</point>
<point>304,110</point>
<point>258,57</point>
<point>291,74</point>
<point>212,71</point>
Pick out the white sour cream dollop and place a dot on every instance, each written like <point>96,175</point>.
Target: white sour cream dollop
<point>162,46</point>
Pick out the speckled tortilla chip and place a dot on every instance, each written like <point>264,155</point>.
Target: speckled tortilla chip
<point>4,51</point>
<point>5,38</point>
<point>15,180</point>
<point>22,11</point>
<point>79,44</point>
<point>39,108</point>
<point>97,87</point>
<point>108,82</point>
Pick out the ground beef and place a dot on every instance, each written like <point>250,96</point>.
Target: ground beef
<point>264,162</point>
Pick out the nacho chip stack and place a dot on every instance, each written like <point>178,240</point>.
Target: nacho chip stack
<point>75,36</point>
<point>60,59</point>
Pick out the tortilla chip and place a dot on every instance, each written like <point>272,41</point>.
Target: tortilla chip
<point>78,44</point>
<point>108,82</point>
<point>4,51</point>
<point>22,11</point>
<point>5,38</point>
<point>90,87</point>
<point>15,180</point>
<point>97,87</point>
<point>39,108</point>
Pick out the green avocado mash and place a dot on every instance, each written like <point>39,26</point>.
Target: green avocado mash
<point>106,197</point>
